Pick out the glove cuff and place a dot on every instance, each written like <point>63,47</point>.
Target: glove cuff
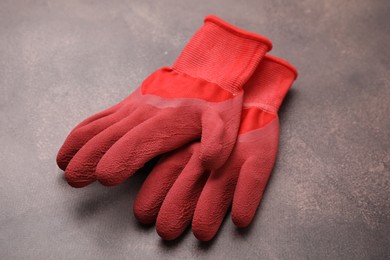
<point>222,54</point>
<point>269,84</point>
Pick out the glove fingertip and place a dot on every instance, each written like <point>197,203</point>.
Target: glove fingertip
<point>242,218</point>
<point>166,230</point>
<point>203,232</point>
<point>76,181</point>
<point>143,214</point>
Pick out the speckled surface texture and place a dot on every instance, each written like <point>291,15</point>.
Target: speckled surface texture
<point>328,198</point>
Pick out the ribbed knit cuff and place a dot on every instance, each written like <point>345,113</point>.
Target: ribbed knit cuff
<point>222,54</point>
<point>269,84</point>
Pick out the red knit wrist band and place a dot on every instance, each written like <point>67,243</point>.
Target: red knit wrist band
<point>269,84</point>
<point>222,54</point>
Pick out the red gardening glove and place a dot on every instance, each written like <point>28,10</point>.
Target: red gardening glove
<point>180,189</point>
<point>199,97</point>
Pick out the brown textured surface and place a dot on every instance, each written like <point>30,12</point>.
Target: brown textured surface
<point>61,61</point>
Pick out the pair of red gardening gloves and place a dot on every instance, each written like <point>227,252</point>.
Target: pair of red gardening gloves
<point>213,115</point>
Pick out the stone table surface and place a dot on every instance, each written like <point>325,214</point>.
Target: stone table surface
<point>328,198</point>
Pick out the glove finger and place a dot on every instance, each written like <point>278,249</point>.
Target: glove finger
<point>218,136</point>
<point>166,131</point>
<point>212,138</point>
<point>248,193</point>
<point>81,169</point>
<point>84,132</point>
<point>179,205</point>
<point>214,201</point>
<point>160,180</point>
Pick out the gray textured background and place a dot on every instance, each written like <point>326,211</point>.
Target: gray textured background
<point>61,61</point>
